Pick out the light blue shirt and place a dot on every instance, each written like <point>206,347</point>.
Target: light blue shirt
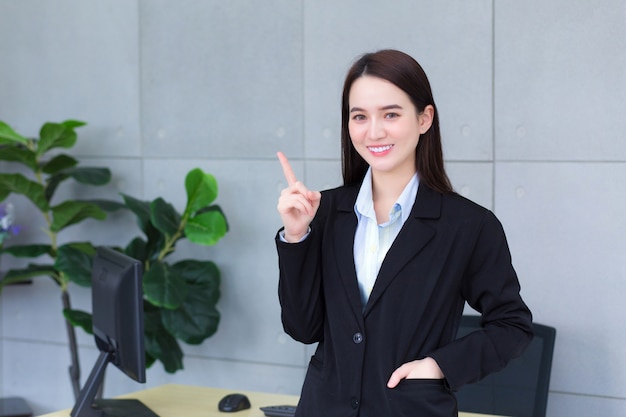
<point>373,240</point>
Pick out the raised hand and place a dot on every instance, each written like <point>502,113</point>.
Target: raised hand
<point>297,204</point>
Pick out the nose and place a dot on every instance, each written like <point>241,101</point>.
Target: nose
<point>376,129</point>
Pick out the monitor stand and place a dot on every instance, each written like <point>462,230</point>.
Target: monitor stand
<point>87,406</point>
<point>123,408</point>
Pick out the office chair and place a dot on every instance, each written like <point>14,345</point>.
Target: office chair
<point>520,389</point>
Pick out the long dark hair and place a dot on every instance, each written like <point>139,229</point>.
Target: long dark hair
<point>405,73</point>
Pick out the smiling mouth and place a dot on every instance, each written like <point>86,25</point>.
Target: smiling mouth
<point>379,149</point>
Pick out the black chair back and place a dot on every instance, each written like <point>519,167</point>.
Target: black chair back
<point>520,389</point>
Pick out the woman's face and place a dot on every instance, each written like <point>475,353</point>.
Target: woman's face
<point>384,125</point>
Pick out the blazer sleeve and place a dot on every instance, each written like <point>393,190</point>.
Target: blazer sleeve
<point>300,288</point>
<point>491,287</point>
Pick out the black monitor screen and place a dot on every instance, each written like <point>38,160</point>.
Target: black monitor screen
<point>117,302</point>
<point>117,310</point>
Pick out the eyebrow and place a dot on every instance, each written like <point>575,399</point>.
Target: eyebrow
<point>389,107</point>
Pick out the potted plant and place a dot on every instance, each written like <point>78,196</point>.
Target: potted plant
<point>179,299</point>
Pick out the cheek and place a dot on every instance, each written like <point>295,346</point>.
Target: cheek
<point>356,132</point>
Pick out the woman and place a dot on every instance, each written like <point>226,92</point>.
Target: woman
<point>377,271</point>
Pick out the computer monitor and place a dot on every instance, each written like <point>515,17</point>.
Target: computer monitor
<point>117,310</point>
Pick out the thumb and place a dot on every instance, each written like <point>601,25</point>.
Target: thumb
<point>314,196</point>
<point>397,376</point>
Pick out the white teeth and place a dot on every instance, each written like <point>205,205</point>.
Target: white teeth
<point>379,148</point>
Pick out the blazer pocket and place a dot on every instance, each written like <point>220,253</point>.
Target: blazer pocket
<point>428,397</point>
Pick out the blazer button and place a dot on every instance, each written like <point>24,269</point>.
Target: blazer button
<point>354,403</point>
<point>357,338</point>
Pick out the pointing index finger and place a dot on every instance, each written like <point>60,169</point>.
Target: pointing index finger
<point>287,171</point>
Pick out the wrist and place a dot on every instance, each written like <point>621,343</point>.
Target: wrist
<point>433,368</point>
<point>293,238</point>
<point>289,238</point>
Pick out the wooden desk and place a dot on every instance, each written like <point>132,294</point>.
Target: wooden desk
<point>192,401</point>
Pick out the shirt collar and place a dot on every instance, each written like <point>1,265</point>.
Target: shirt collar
<point>364,205</point>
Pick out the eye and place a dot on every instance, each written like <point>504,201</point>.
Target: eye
<point>391,115</point>
<point>358,117</point>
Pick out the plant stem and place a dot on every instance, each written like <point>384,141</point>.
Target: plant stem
<point>74,368</point>
<point>52,235</point>
<point>169,243</point>
<point>71,335</point>
<point>46,215</point>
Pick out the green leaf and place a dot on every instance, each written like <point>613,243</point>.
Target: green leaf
<point>163,288</point>
<point>137,249</point>
<point>80,319</point>
<point>214,207</point>
<point>156,239</point>
<point>86,247</point>
<point>32,271</point>
<point>53,182</point>
<point>19,154</point>
<point>150,360</point>
<point>160,344</point>
<point>152,318</point>
<point>72,212</point>
<point>27,251</point>
<point>57,135</point>
<point>164,217</point>
<point>90,175</point>
<point>156,243</point>
<point>73,124</point>
<point>141,209</point>
<point>165,348</point>
<point>19,184</point>
<point>201,190</point>
<point>75,261</point>
<point>8,135</point>
<point>59,163</point>
<point>107,205</point>
<point>206,228</point>
<point>197,318</point>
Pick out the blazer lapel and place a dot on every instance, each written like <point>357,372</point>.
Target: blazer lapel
<point>344,230</point>
<point>413,236</point>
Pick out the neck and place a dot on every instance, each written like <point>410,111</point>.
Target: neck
<point>386,188</point>
<point>389,185</point>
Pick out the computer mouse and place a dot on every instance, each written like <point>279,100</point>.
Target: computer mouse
<point>233,402</point>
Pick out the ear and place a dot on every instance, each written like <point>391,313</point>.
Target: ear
<point>425,119</point>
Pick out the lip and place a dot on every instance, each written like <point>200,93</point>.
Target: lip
<point>380,150</point>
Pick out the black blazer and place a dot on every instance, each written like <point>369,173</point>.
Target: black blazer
<point>449,251</point>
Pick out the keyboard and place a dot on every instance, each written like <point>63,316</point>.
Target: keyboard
<point>279,410</point>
